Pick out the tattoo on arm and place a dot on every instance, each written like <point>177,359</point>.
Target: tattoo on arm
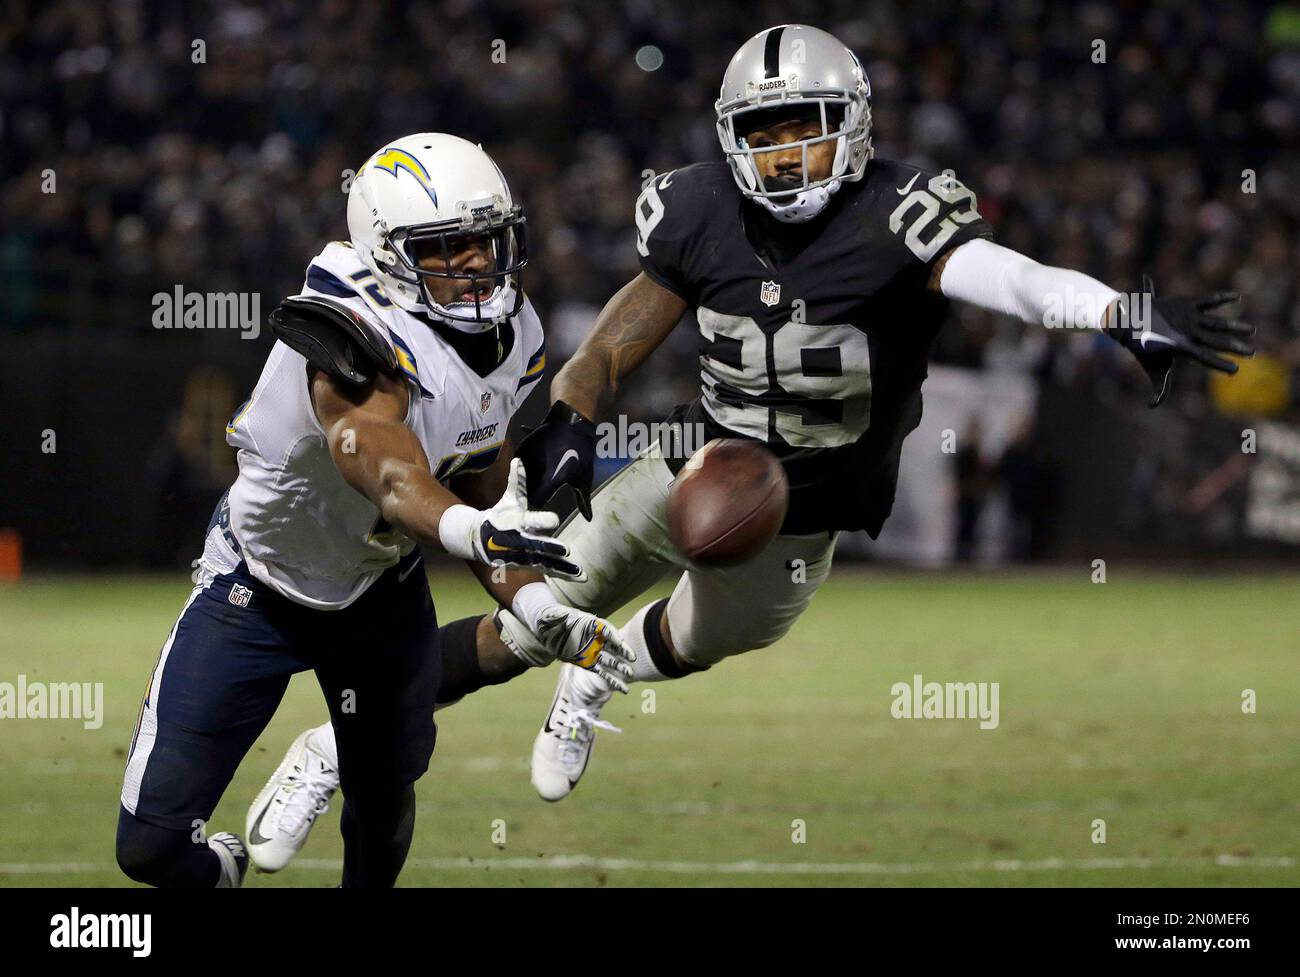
<point>630,327</point>
<point>632,335</point>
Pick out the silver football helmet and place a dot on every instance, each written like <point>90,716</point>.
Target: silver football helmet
<point>795,69</point>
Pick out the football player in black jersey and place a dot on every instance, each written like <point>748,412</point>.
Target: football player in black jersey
<point>818,276</point>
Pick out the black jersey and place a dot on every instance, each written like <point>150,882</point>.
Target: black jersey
<point>814,337</point>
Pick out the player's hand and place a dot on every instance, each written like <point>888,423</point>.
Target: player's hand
<point>1181,327</point>
<point>562,451</point>
<point>508,533</point>
<point>587,641</point>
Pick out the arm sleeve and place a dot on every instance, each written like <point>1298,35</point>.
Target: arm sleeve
<point>1000,280</point>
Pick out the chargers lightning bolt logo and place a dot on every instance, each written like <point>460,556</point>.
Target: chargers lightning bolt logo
<point>392,159</point>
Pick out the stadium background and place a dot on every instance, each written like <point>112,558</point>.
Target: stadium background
<point>1179,156</point>
<point>226,176</point>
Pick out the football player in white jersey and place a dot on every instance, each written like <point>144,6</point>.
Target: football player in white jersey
<point>394,378</point>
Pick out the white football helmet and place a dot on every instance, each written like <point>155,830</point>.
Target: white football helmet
<point>795,71</point>
<point>434,187</point>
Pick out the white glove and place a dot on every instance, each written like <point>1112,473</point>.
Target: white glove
<point>574,636</point>
<point>507,534</point>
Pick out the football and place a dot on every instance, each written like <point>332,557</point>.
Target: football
<point>727,503</point>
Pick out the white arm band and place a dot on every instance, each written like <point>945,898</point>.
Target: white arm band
<point>1004,281</point>
<point>456,530</point>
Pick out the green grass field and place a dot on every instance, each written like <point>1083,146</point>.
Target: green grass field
<point>1107,712</point>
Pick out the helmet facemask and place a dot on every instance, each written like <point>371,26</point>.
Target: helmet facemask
<point>844,117</point>
<point>508,245</point>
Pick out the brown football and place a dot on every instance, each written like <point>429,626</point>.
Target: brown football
<point>727,503</point>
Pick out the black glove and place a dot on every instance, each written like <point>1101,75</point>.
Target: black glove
<point>521,549</point>
<point>560,452</point>
<point>1168,328</point>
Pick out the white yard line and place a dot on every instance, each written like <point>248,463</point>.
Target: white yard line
<point>566,863</point>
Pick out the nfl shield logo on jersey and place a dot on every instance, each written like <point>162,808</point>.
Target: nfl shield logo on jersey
<point>240,595</point>
<point>485,403</point>
<point>770,293</point>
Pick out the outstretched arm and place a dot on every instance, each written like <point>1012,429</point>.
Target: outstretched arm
<point>563,450</point>
<point>630,327</point>
<point>1155,331</point>
<point>1007,282</point>
<point>380,457</point>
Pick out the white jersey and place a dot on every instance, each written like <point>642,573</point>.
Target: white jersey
<point>301,529</point>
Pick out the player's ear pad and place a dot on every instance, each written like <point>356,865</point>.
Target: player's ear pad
<point>334,338</point>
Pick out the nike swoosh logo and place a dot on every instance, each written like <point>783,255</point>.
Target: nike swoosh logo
<point>547,727</point>
<point>409,570</point>
<point>563,459</point>
<point>1143,337</point>
<point>907,189</point>
<point>255,836</point>
<point>494,547</point>
<point>666,182</point>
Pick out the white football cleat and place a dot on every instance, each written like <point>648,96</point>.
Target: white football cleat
<point>282,816</point>
<point>234,859</point>
<point>563,747</point>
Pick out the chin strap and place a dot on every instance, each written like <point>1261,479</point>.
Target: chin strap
<point>492,311</point>
<point>806,205</point>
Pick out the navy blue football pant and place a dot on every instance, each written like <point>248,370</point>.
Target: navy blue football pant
<point>220,678</point>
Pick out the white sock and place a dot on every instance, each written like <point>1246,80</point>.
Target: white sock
<point>633,634</point>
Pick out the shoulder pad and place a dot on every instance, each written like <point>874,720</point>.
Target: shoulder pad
<point>334,338</point>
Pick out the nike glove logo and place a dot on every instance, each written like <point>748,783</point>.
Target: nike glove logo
<point>563,460</point>
<point>1145,336</point>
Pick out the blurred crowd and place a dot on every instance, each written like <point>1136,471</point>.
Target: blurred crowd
<point>208,144</point>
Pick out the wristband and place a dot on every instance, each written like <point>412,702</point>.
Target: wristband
<point>530,601</point>
<point>562,413</point>
<point>457,528</point>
